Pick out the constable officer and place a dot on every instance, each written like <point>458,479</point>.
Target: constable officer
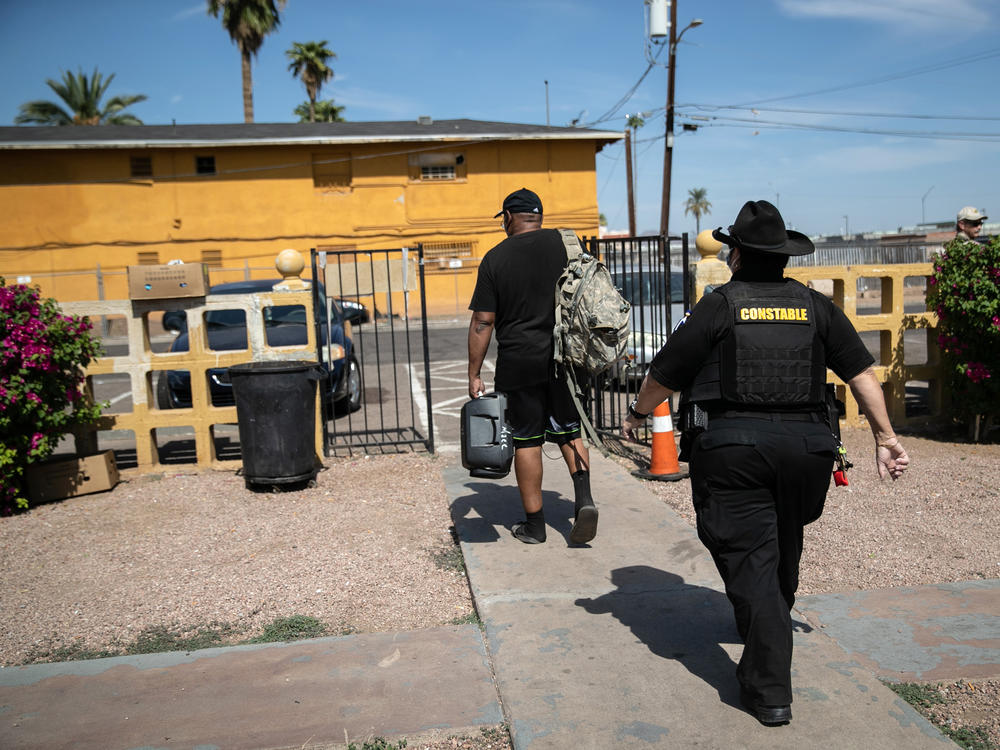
<point>751,361</point>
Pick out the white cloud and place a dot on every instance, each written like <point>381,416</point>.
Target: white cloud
<point>175,99</point>
<point>893,155</point>
<point>194,10</point>
<point>376,101</point>
<point>912,14</point>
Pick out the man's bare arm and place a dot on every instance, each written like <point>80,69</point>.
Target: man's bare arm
<point>480,332</point>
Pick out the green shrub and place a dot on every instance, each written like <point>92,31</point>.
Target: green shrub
<point>42,359</point>
<point>964,292</point>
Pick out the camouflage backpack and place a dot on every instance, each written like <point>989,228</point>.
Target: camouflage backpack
<point>592,322</point>
<point>592,317</point>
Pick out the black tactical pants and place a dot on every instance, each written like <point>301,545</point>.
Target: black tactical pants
<point>756,483</point>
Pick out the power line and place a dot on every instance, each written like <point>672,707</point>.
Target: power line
<point>975,57</point>
<point>715,107</point>
<point>929,134</point>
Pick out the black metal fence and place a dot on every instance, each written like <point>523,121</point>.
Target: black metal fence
<point>379,293</point>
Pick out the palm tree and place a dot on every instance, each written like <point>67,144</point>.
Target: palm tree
<point>82,97</point>
<point>322,111</point>
<point>248,22</point>
<point>309,62</point>
<point>697,204</point>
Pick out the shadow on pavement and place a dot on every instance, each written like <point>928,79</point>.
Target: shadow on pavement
<point>675,620</point>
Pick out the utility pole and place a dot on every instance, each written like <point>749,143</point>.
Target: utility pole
<point>668,146</point>
<point>546,104</point>
<point>628,177</point>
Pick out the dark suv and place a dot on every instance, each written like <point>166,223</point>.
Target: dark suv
<point>284,325</point>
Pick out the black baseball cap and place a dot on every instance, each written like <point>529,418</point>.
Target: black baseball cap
<point>521,201</point>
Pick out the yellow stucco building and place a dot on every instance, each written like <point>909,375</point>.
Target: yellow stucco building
<point>83,203</point>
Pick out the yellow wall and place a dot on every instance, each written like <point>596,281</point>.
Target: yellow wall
<point>69,210</point>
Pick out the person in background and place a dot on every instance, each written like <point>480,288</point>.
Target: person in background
<point>515,294</point>
<point>751,363</point>
<point>969,223</point>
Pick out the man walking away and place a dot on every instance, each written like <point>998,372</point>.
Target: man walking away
<point>515,295</point>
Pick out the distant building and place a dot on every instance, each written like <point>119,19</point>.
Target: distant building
<point>234,196</point>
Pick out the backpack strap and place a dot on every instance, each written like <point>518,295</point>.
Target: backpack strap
<point>571,242</point>
<point>586,426</point>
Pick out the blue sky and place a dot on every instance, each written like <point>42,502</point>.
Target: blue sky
<point>488,60</point>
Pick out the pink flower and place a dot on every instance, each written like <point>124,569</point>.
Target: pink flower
<point>33,397</point>
<point>36,439</point>
<point>977,372</point>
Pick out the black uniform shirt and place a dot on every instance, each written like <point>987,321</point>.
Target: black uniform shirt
<point>517,281</point>
<point>677,363</point>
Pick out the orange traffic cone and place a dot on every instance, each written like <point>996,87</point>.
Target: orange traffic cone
<point>663,465</point>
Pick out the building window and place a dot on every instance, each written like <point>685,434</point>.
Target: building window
<point>436,250</point>
<point>151,258</point>
<point>332,170</point>
<point>141,166</point>
<point>204,165</point>
<point>438,173</point>
<point>212,258</point>
<point>433,166</point>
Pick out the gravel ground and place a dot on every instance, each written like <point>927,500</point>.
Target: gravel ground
<point>364,552</point>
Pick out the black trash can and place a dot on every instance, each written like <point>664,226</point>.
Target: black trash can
<point>276,410</point>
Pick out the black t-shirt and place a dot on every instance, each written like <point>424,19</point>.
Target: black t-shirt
<point>677,363</point>
<point>517,281</point>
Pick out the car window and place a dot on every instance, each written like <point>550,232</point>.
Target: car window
<point>284,315</point>
<point>225,318</point>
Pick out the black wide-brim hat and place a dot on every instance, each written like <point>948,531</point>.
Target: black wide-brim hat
<point>759,227</point>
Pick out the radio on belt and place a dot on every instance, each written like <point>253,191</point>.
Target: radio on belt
<point>487,445</point>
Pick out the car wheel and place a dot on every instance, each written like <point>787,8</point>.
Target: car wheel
<point>351,401</point>
<point>163,392</point>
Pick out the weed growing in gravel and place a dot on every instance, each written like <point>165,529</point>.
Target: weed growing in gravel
<point>470,619</point>
<point>923,697</point>
<point>291,628</point>
<point>377,743</point>
<point>450,558</point>
<point>159,638</point>
<point>72,652</point>
<point>970,739</point>
<point>917,695</point>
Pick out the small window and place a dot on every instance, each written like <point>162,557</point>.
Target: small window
<point>439,250</point>
<point>204,164</point>
<point>433,166</point>
<point>151,258</point>
<point>212,258</point>
<point>437,173</point>
<point>141,166</point>
<point>332,170</point>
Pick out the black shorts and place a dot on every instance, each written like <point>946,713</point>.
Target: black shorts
<point>537,413</point>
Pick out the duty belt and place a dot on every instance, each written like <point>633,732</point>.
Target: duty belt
<point>787,416</point>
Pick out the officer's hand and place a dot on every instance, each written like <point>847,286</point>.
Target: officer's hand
<point>629,426</point>
<point>476,388</point>
<point>891,459</point>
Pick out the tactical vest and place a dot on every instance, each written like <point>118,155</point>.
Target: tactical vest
<point>772,359</point>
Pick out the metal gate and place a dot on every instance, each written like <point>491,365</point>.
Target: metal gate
<point>654,276</point>
<point>366,335</point>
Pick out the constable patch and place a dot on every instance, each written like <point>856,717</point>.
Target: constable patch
<point>772,314</point>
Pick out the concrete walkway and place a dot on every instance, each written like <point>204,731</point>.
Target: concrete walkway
<point>630,642</point>
<point>626,643</point>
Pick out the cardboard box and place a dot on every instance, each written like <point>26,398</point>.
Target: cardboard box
<point>71,476</point>
<point>167,282</point>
